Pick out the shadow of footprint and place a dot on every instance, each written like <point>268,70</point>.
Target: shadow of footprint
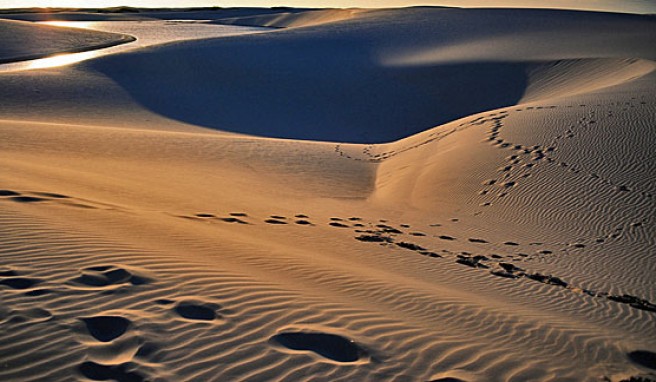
<point>643,358</point>
<point>106,328</point>
<point>27,199</point>
<point>193,310</point>
<point>331,346</point>
<point>20,282</point>
<point>119,373</point>
<point>274,221</point>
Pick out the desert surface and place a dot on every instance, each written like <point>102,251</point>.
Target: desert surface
<point>411,194</point>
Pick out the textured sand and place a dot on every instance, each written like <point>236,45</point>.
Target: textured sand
<point>154,226</point>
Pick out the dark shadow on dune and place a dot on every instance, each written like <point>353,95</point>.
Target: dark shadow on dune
<point>331,346</point>
<point>20,282</point>
<point>119,373</point>
<point>194,311</point>
<point>286,85</point>
<point>643,358</point>
<point>106,328</point>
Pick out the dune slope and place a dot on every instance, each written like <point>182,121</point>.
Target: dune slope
<point>400,71</point>
<point>513,242</point>
<point>27,41</point>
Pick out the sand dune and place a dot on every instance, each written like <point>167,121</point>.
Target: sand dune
<point>440,215</point>
<point>27,41</point>
<point>293,19</point>
<point>360,84</point>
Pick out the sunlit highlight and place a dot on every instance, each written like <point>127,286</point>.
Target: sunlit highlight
<point>61,60</point>
<point>70,24</point>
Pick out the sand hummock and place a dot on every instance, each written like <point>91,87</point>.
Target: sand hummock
<point>418,194</point>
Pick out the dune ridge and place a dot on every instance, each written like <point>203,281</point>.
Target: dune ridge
<point>512,241</point>
<point>27,41</point>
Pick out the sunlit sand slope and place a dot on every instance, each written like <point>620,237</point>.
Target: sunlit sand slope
<point>26,41</point>
<point>509,240</point>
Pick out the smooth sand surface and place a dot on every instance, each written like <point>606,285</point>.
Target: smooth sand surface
<point>401,195</point>
<point>26,41</point>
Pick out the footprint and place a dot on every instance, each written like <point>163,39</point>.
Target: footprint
<point>410,246</point>
<point>472,261</point>
<point>6,272</point>
<point>338,224</point>
<point>106,328</point>
<point>445,237</point>
<point>547,279</point>
<point>303,222</point>
<point>643,358</point>
<point>387,229</point>
<point>19,282</point>
<point>475,240</point>
<point>331,346</point>
<point>374,239</point>
<point>193,310</point>
<point>27,199</point>
<point>52,195</point>
<point>107,276</point>
<point>233,220</point>
<point>634,302</point>
<point>120,373</point>
<point>274,221</point>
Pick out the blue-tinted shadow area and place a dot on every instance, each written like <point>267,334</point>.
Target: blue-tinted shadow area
<point>291,85</point>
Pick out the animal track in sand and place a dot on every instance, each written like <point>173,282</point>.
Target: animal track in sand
<point>233,218</point>
<point>527,157</point>
<point>384,234</point>
<point>37,197</point>
<point>331,346</point>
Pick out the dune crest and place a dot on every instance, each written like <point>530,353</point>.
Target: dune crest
<point>27,41</point>
<point>435,213</point>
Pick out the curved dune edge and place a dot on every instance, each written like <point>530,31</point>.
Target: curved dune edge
<point>514,244</point>
<point>293,20</point>
<point>307,84</point>
<point>50,40</point>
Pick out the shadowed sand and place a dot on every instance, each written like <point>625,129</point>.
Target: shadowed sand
<point>468,196</point>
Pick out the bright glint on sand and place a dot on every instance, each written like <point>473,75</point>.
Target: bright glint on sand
<point>256,194</point>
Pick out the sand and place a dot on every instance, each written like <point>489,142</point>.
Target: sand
<point>26,41</point>
<point>421,194</point>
